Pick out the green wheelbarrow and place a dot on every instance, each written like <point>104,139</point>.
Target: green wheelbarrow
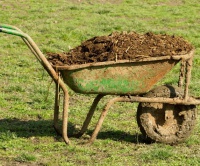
<point>165,113</point>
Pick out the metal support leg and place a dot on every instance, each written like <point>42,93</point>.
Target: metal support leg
<point>89,115</point>
<point>64,132</point>
<point>65,117</point>
<point>182,73</point>
<point>102,117</point>
<point>56,109</point>
<point>187,77</point>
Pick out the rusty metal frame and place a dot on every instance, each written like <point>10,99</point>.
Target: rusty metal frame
<point>54,72</point>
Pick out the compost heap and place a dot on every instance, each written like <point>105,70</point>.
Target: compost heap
<point>122,46</point>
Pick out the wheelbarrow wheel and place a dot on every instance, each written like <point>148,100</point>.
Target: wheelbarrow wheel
<point>163,122</point>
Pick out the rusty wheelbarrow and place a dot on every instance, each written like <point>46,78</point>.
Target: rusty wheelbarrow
<point>165,114</point>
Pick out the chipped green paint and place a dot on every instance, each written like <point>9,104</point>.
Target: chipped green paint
<point>129,78</point>
<point>108,86</point>
<point>9,30</point>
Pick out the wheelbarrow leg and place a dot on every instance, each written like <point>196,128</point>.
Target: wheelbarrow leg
<point>102,117</point>
<point>65,111</point>
<point>65,117</point>
<point>56,109</point>
<point>89,116</point>
<point>182,73</point>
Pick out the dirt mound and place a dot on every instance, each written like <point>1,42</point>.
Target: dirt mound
<point>122,46</point>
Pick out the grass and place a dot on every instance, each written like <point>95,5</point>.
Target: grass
<point>27,92</point>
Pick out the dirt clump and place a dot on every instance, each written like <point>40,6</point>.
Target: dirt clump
<point>122,46</point>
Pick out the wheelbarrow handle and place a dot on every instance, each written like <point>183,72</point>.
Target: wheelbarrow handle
<point>17,32</point>
<point>32,46</point>
<point>8,29</point>
<point>11,31</point>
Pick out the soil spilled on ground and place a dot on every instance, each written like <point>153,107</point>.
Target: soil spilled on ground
<point>122,46</point>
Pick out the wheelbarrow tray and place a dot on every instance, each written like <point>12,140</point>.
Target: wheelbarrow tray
<point>120,77</point>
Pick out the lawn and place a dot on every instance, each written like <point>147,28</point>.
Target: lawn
<point>27,136</point>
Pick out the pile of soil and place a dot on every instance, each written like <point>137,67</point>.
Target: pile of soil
<point>122,46</point>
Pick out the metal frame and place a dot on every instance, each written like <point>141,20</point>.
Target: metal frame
<point>54,72</point>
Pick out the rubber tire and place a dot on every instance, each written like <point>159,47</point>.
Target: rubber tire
<point>163,122</point>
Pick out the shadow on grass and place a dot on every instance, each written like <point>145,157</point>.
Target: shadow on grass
<point>120,136</point>
<point>30,128</point>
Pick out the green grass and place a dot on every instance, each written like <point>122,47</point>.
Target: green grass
<point>27,92</point>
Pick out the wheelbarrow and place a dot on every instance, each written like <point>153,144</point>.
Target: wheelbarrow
<point>165,113</point>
